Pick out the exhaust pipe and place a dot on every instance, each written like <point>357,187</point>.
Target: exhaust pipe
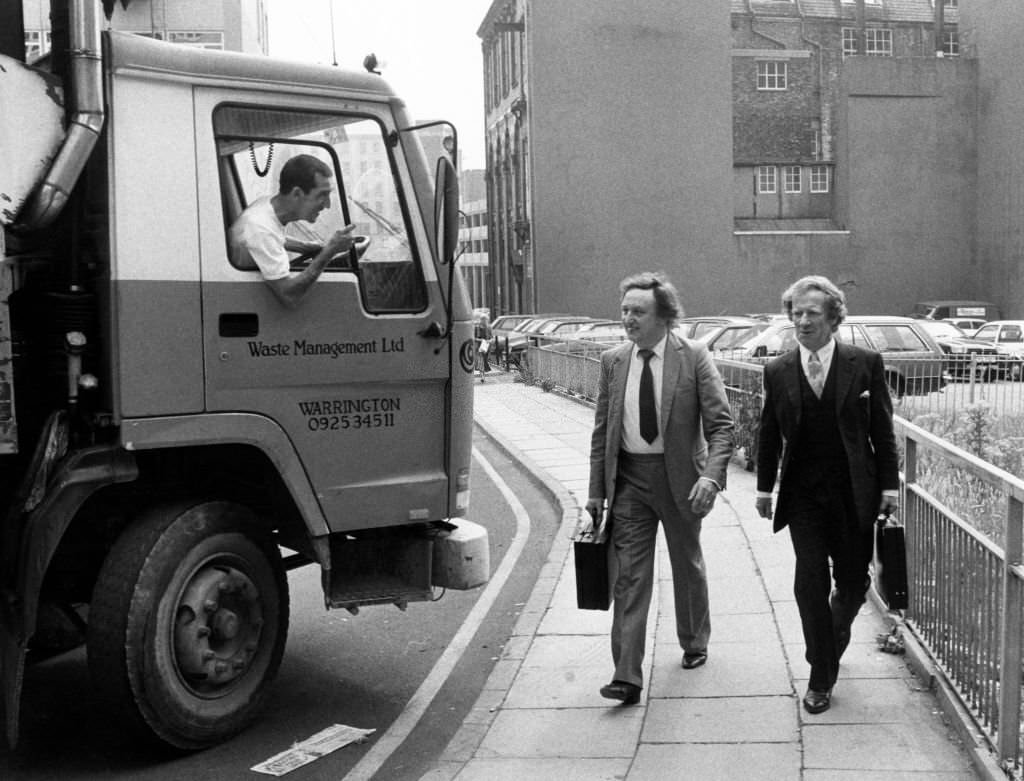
<point>86,121</point>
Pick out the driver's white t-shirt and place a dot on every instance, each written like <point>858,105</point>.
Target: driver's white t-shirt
<point>258,231</point>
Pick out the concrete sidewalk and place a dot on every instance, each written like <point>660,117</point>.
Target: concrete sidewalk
<point>738,717</point>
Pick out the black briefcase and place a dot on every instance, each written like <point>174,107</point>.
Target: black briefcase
<point>890,564</point>
<point>593,571</point>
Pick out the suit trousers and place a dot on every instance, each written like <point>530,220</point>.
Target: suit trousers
<point>643,496</point>
<point>823,526</point>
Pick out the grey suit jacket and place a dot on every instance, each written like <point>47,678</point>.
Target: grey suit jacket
<point>696,421</point>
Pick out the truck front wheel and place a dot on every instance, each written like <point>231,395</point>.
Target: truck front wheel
<point>188,621</point>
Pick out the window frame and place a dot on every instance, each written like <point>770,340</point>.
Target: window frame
<point>814,179</point>
<point>872,37</point>
<point>788,185</point>
<point>767,180</point>
<point>777,81</point>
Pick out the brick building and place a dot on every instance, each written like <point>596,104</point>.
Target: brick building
<point>787,59</point>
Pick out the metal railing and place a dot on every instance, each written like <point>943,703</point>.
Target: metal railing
<point>965,535</point>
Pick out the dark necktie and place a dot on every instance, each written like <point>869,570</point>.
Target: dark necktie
<point>648,411</point>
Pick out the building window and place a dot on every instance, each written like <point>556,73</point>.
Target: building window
<point>771,75</point>
<point>766,179</point>
<point>791,178</point>
<point>819,178</point>
<point>951,43</point>
<point>201,40</point>
<point>37,43</point>
<point>878,42</point>
<point>849,41</point>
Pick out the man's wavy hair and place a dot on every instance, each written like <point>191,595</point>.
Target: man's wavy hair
<point>835,299</point>
<point>666,297</point>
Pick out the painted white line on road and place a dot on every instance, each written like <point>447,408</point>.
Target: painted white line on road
<point>389,742</point>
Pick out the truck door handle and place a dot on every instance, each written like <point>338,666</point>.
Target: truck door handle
<point>239,324</point>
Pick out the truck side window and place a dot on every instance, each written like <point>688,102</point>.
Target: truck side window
<point>252,145</point>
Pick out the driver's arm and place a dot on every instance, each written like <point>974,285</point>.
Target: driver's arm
<point>290,290</point>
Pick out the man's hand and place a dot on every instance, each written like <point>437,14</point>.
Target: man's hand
<point>594,509</point>
<point>341,241</point>
<point>764,506</point>
<point>702,496</point>
<point>889,505</point>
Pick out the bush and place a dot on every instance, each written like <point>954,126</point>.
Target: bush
<point>977,429</point>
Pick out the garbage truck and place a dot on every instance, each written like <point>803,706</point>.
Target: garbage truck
<point>174,440</point>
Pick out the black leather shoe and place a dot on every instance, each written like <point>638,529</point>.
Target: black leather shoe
<point>694,659</point>
<point>817,701</point>
<point>619,690</point>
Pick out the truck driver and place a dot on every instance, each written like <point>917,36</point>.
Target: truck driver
<point>304,191</point>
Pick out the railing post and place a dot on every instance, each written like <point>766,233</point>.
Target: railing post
<point>1010,653</point>
<point>973,369</point>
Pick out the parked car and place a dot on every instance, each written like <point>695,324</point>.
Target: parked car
<point>964,355</point>
<point>505,326</point>
<point>969,325</point>
<point>610,331</point>
<point>546,328</point>
<point>914,362</point>
<point>1007,336</point>
<point>941,309</point>
<point>697,327</point>
<point>725,340</point>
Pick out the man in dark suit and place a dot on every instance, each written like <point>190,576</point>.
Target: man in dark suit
<point>827,414</point>
<point>663,435</point>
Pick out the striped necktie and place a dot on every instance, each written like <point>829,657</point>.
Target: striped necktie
<point>815,374</point>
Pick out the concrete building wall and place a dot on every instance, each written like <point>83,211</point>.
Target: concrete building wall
<point>906,183</point>
<point>992,32</point>
<point>631,144</point>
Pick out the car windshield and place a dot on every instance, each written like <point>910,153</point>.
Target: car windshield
<point>895,338</point>
<point>731,338</point>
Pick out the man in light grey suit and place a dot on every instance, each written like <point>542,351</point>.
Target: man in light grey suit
<point>663,435</point>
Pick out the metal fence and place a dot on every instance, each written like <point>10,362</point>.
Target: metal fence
<point>965,531</point>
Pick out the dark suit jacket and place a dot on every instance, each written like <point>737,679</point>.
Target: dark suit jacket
<point>694,408</point>
<point>864,413</point>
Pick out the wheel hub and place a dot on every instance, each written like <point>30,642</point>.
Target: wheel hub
<point>217,628</point>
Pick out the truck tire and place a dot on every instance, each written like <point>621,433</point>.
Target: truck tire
<point>188,621</point>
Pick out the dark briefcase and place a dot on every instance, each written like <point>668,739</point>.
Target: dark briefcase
<point>593,576</point>
<point>890,563</point>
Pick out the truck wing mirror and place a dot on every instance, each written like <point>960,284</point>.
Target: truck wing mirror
<point>446,210</point>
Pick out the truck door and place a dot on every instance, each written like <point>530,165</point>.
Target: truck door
<point>347,375</point>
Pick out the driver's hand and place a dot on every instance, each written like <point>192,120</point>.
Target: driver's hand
<point>341,241</point>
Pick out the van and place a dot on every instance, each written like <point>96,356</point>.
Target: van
<point>941,310</point>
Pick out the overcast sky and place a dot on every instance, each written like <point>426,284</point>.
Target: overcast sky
<point>429,50</point>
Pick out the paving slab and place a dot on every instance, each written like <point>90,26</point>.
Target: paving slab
<point>613,731</point>
<point>732,670</point>
<point>734,762</point>
<point>721,720</point>
<point>555,769</point>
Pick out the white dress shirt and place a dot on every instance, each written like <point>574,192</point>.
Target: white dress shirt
<point>824,355</point>
<point>632,442</point>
